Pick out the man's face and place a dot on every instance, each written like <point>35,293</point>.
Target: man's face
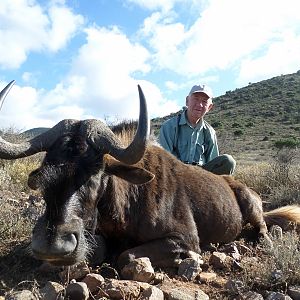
<point>198,104</point>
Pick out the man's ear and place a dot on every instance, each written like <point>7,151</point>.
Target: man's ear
<point>211,106</point>
<point>132,174</point>
<point>186,100</point>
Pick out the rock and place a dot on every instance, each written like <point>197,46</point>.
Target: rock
<point>22,295</point>
<point>140,269</point>
<point>152,293</point>
<point>77,291</point>
<point>207,277</point>
<point>277,296</point>
<point>294,292</point>
<point>77,271</point>
<point>51,290</point>
<point>276,232</point>
<point>119,289</point>
<point>277,275</point>
<point>159,277</point>
<point>232,250</point>
<point>218,260</point>
<point>93,282</point>
<point>250,296</point>
<point>189,268</point>
<point>186,294</point>
<point>234,286</point>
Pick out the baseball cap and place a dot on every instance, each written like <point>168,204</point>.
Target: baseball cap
<point>201,89</point>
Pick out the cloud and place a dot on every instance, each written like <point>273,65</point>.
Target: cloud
<point>281,58</point>
<point>26,27</point>
<point>101,83</point>
<point>222,36</point>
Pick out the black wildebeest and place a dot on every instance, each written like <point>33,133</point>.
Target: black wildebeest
<point>138,195</point>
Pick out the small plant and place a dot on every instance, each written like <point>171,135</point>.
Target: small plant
<point>287,143</point>
<point>278,266</point>
<point>238,132</point>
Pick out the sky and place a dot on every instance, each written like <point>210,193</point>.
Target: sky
<point>81,59</point>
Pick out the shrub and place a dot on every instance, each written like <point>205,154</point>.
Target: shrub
<point>238,132</point>
<point>278,266</point>
<point>288,143</point>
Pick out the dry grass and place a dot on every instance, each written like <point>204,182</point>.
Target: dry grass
<point>273,269</point>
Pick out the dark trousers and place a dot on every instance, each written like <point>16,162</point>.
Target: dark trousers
<point>221,165</point>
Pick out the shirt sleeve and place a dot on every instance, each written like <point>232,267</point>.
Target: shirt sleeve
<point>166,136</point>
<point>213,149</point>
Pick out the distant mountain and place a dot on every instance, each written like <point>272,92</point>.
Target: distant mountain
<point>34,132</point>
<point>251,119</point>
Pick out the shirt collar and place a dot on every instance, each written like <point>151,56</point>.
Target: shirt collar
<point>184,121</point>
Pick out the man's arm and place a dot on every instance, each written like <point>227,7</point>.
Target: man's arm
<point>213,149</point>
<point>166,137</point>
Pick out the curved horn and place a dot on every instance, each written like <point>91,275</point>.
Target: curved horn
<point>5,91</point>
<point>106,142</point>
<point>40,143</point>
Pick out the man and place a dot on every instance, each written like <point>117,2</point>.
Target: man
<point>193,140</point>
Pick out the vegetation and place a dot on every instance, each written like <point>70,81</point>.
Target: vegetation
<point>252,121</point>
<point>258,124</point>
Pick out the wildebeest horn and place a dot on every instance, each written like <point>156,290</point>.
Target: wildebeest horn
<point>4,92</point>
<point>106,142</point>
<point>40,143</point>
<point>100,135</point>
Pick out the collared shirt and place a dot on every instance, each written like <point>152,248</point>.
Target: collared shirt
<point>197,145</point>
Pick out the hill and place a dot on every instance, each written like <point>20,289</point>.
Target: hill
<point>250,120</point>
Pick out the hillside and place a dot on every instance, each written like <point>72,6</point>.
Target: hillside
<point>251,119</point>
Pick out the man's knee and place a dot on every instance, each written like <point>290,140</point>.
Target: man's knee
<point>229,163</point>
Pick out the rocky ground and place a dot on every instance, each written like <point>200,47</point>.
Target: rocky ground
<point>243,269</point>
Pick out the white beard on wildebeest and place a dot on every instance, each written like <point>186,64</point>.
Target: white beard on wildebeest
<point>134,193</point>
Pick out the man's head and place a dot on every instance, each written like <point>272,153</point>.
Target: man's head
<point>198,102</point>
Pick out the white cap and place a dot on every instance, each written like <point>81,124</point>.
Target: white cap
<point>201,89</point>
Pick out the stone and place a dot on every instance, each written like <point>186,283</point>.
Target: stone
<point>119,289</point>
<point>234,286</point>
<point>189,268</point>
<point>51,290</point>
<point>186,294</point>
<point>140,269</point>
<point>93,282</point>
<point>218,260</point>
<point>294,292</point>
<point>152,293</point>
<point>277,296</point>
<point>77,271</point>
<point>77,291</point>
<point>276,232</point>
<point>250,296</point>
<point>22,295</point>
<point>207,277</point>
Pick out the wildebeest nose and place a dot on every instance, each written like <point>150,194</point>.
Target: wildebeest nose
<point>59,246</point>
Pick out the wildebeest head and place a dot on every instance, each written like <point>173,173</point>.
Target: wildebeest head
<point>79,156</point>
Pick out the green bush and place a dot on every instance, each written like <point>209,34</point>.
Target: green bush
<point>238,132</point>
<point>288,143</point>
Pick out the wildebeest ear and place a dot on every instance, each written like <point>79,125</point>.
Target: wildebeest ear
<point>32,179</point>
<point>132,174</point>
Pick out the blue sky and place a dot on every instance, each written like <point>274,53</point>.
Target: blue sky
<point>84,58</point>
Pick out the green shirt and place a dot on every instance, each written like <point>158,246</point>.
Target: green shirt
<point>191,145</point>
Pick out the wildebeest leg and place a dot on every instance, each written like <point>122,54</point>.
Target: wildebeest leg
<point>251,207</point>
<point>165,252</point>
